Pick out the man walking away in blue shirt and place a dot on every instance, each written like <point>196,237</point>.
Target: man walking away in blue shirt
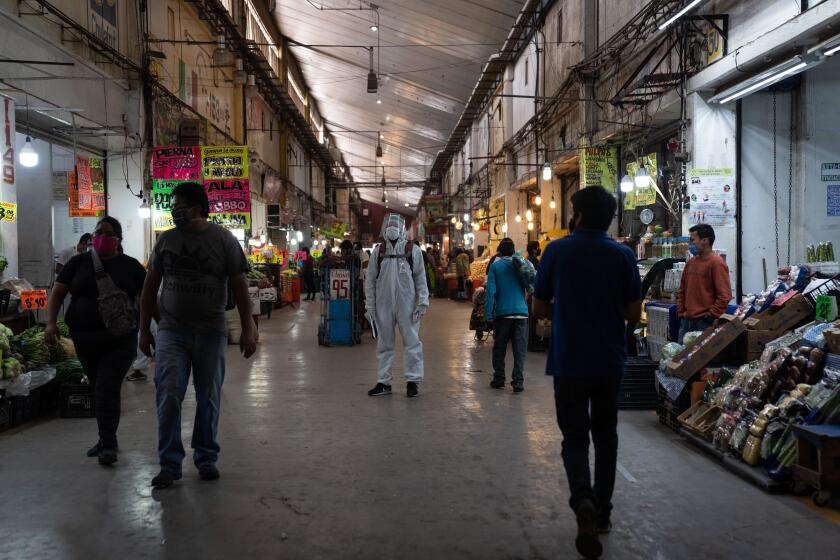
<point>506,308</point>
<point>594,285</point>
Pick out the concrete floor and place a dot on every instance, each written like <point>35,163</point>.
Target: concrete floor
<point>313,468</point>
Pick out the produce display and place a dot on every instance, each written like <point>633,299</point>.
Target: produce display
<point>764,399</point>
<point>70,371</point>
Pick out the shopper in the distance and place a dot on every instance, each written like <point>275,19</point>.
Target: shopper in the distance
<point>462,268</point>
<point>506,310</point>
<point>105,353</point>
<point>194,263</point>
<point>589,286</point>
<point>396,296</point>
<point>308,270</point>
<point>705,289</point>
<point>534,253</point>
<point>64,257</point>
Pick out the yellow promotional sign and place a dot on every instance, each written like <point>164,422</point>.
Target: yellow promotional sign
<point>8,211</point>
<point>642,196</point>
<point>224,162</point>
<point>599,167</point>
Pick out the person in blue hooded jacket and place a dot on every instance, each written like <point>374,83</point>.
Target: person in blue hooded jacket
<point>506,308</point>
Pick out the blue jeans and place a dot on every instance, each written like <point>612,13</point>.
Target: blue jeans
<point>690,325</point>
<point>514,331</point>
<point>176,353</point>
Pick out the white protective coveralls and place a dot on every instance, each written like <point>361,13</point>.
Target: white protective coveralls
<point>397,296</point>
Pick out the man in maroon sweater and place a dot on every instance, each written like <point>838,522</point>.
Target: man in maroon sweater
<point>705,290</point>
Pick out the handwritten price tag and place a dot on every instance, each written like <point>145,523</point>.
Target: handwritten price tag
<point>33,299</point>
<point>8,211</point>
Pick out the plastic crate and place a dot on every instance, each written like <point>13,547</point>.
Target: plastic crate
<point>21,410</point>
<point>638,385</point>
<point>828,288</point>
<point>662,322</point>
<point>668,410</point>
<point>49,396</point>
<point>76,401</point>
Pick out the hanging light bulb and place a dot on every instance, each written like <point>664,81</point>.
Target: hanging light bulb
<point>466,217</point>
<point>518,218</point>
<point>546,172</point>
<point>459,226</point>
<point>642,179</point>
<point>552,204</point>
<point>538,200</point>
<point>530,226</point>
<point>627,184</point>
<point>299,236</point>
<point>454,220</point>
<point>379,102</point>
<point>529,215</point>
<point>504,227</point>
<point>28,157</point>
<point>476,226</point>
<point>144,211</point>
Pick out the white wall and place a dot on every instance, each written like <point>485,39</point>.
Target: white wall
<point>34,193</point>
<point>123,205</point>
<point>820,144</point>
<point>759,238</point>
<point>713,144</point>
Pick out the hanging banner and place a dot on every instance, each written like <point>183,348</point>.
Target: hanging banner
<point>8,211</point>
<point>162,204</point>
<point>103,21</point>
<point>271,188</point>
<point>74,209</point>
<point>711,193</point>
<point>642,196</point>
<point>83,183</point>
<point>59,185</point>
<point>176,163</point>
<point>8,146</point>
<point>336,231</point>
<point>228,195</point>
<point>435,207</point>
<point>599,167</point>
<point>224,162</point>
<point>97,185</point>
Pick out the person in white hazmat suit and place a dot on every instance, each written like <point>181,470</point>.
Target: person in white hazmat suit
<point>396,296</point>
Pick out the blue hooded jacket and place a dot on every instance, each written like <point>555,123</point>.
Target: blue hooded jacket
<point>504,292</point>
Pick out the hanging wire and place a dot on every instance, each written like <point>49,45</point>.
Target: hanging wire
<point>775,183</point>
<point>790,176</point>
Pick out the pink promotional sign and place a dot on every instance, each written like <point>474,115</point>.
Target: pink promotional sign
<point>228,195</point>
<point>176,163</point>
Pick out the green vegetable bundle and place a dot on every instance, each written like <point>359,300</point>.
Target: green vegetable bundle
<point>69,371</point>
<point>11,368</point>
<point>63,329</point>
<point>33,347</point>
<point>4,330</point>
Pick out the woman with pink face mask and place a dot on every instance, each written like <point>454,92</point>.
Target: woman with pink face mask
<point>106,358</point>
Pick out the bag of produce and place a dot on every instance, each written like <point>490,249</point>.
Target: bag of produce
<point>671,350</point>
<point>691,337</point>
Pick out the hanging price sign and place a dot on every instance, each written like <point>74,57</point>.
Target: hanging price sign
<point>8,211</point>
<point>33,299</point>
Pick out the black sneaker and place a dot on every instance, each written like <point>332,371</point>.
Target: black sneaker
<point>165,479</point>
<point>587,542</point>
<point>136,375</point>
<point>107,457</point>
<point>411,389</point>
<point>94,451</point>
<point>380,389</point>
<point>517,387</point>
<point>496,384</point>
<point>208,471</point>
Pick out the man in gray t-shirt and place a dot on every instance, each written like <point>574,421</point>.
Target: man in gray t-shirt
<point>191,267</point>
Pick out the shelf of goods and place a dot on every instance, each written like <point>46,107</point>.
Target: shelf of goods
<point>777,378</point>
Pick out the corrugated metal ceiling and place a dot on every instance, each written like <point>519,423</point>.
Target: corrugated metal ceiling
<point>430,56</point>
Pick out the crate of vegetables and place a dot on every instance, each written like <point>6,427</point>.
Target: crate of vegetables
<point>75,393</point>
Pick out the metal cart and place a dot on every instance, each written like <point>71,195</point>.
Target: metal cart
<point>340,322</point>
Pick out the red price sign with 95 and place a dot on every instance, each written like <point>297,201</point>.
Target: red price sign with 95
<point>33,299</point>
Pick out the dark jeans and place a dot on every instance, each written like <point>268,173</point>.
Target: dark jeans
<point>585,405</point>
<point>514,331</point>
<point>689,325</point>
<point>309,282</point>
<point>106,361</point>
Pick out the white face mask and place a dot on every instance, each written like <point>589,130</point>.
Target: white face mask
<point>392,233</point>
<point>393,228</point>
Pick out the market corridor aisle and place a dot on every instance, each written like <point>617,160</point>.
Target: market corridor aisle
<point>314,468</point>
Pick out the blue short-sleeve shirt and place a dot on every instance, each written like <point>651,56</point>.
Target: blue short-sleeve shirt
<point>591,278</point>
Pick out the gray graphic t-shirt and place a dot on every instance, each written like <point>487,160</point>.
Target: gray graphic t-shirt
<point>196,267</point>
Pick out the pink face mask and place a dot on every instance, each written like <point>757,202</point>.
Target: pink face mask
<point>105,244</point>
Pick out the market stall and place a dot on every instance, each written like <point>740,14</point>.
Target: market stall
<point>746,388</point>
